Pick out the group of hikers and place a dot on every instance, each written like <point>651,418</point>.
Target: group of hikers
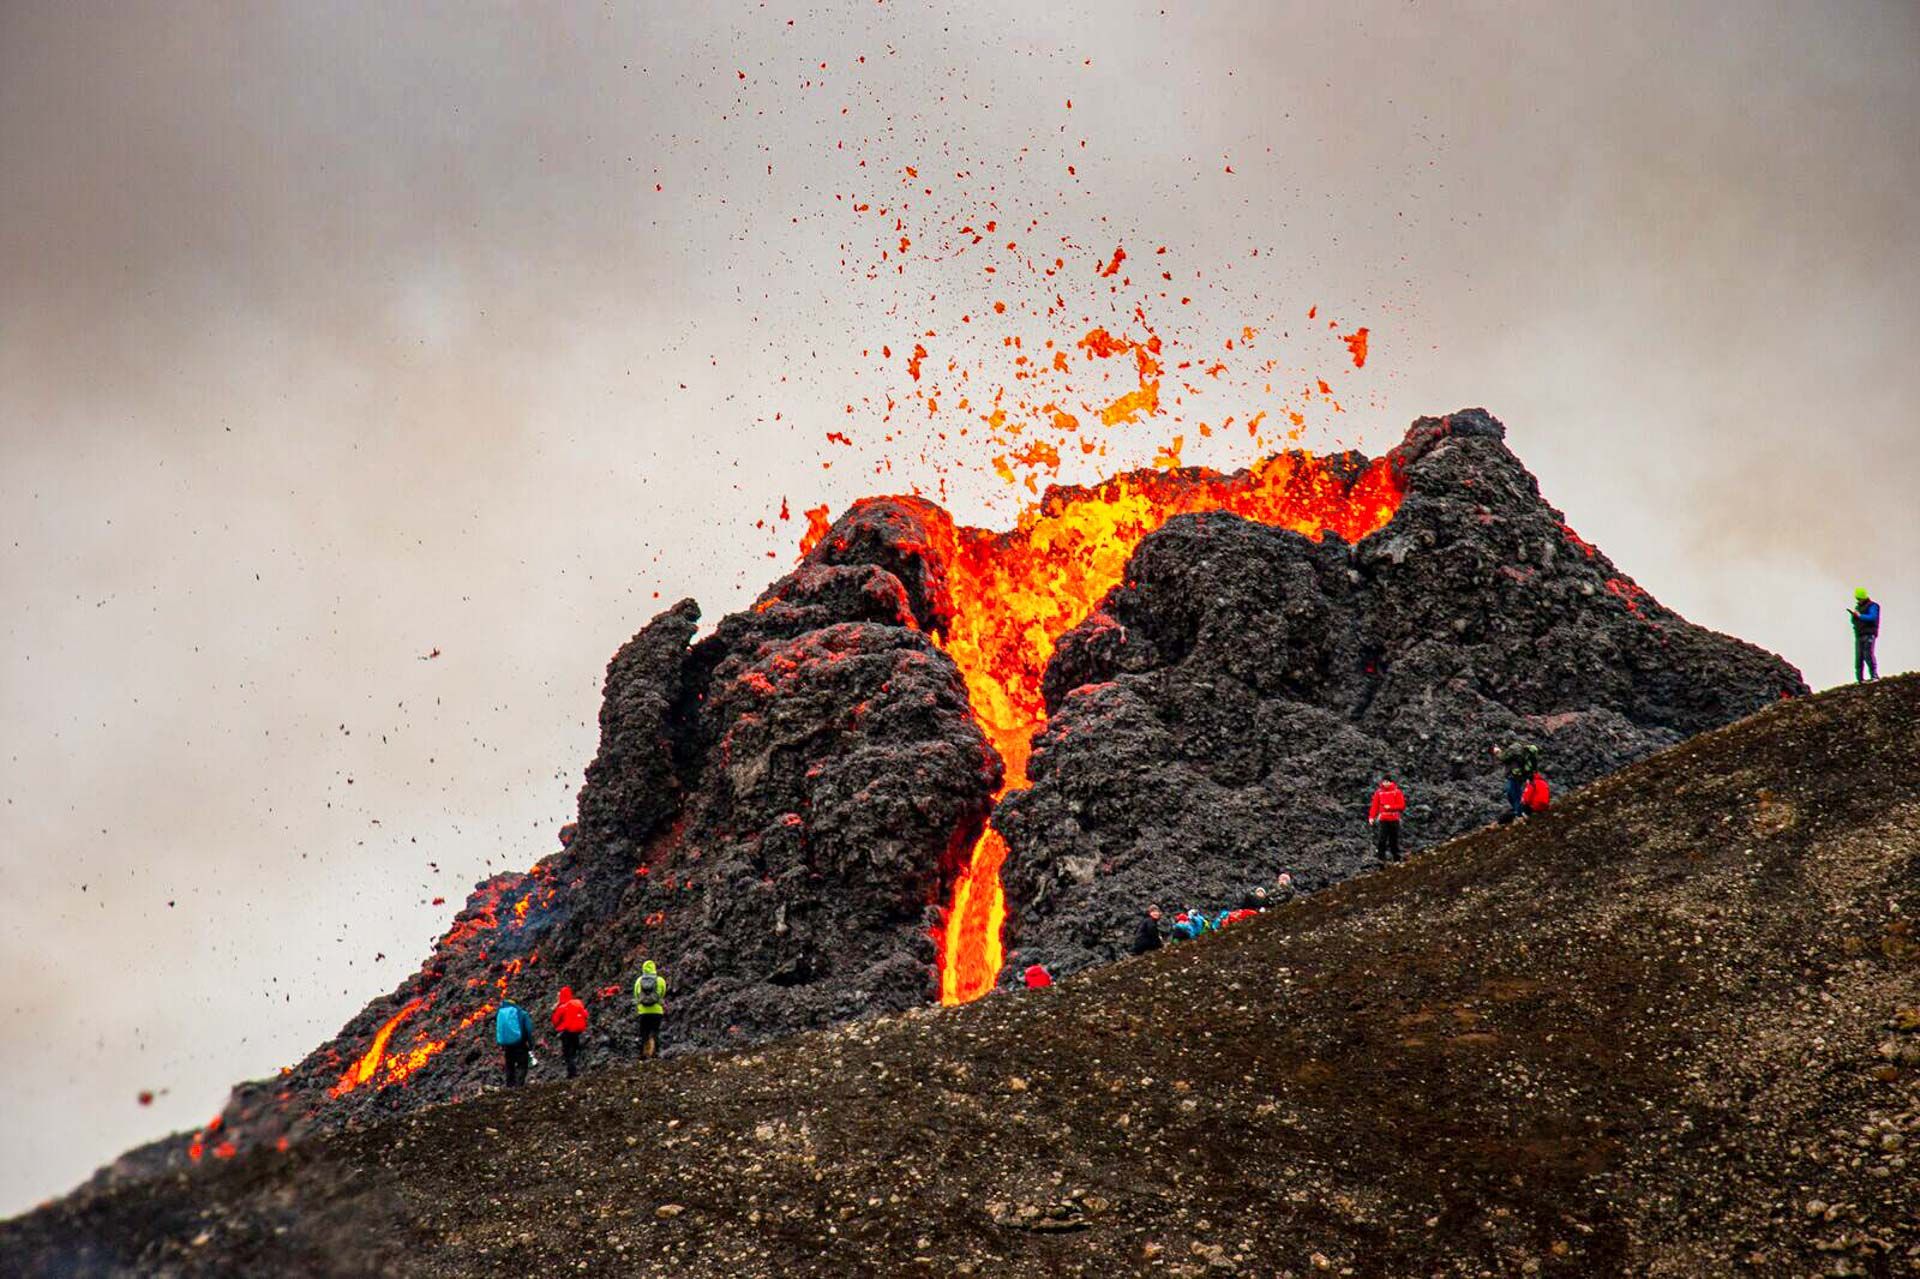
<point>1156,930</point>
<point>1527,792</point>
<point>513,1028</point>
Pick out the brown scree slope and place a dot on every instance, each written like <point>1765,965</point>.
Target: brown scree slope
<point>1672,1027</point>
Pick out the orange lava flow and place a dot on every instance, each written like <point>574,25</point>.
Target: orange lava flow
<point>363,1070</point>
<point>380,1067</point>
<point>1016,593</point>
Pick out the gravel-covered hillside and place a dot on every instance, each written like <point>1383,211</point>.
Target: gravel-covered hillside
<point>1672,1028</point>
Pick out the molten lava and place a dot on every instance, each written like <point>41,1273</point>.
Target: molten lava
<point>1016,593</point>
<point>368,1066</point>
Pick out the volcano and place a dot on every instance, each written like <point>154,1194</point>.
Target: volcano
<point>929,747</point>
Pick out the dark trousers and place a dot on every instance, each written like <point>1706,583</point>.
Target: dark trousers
<point>1386,839</point>
<point>570,1050</point>
<point>1516,787</point>
<point>518,1058</point>
<point>650,1033</point>
<point>1865,667</point>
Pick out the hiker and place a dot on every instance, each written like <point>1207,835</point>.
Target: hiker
<point>1147,937</point>
<point>570,1022</point>
<point>1283,889</point>
<point>1866,629</point>
<point>1389,804</point>
<point>650,1001</point>
<point>1537,794</point>
<point>1185,927</point>
<point>1521,762</point>
<point>1255,899</point>
<point>513,1031</point>
<point>1037,977</point>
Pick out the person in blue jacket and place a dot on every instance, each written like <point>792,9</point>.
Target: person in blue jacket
<point>1866,629</point>
<point>513,1031</point>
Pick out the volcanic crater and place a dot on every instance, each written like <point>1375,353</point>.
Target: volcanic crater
<point>930,748</point>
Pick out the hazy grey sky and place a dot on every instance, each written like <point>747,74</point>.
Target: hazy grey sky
<point>333,334</point>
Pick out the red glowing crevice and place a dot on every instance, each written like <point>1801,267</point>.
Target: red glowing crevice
<point>1014,594</point>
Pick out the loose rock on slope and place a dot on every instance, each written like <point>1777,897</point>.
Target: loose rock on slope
<point>1671,1028</point>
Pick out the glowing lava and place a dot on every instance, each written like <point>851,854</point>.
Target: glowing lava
<point>365,1069</point>
<point>1016,593</point>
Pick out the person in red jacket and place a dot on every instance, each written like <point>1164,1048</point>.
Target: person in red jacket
<point>570,1021</point>
<point>1384,814</point>
<point>1037,976</point>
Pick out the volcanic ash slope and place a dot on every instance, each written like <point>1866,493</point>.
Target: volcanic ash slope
<point>1671,1027</point>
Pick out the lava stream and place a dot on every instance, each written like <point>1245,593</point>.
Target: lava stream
<point>1016,593</point>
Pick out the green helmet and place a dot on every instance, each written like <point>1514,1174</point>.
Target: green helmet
<point>1859,592</point>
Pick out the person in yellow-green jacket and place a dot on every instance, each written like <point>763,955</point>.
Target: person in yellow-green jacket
<point>650,1001</point>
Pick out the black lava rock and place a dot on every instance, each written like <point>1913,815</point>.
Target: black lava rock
<point>1226,713</point>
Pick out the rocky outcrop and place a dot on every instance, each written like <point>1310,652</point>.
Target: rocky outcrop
<point>1227,711</point>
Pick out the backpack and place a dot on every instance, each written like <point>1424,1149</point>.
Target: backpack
<point>1537,794</point>
<point>647,989</point>
<point>507,1030</point>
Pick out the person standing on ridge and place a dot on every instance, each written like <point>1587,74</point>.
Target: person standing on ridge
<point>1865,615</point>
<point>513,1031</point>
<point>1521,762</point>
<point>1389,805</point>
<point>1148,936</point>
<point>650,1001</point>
<point>570,1022</point>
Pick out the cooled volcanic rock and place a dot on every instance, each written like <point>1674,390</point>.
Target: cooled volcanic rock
<point>1227,711</point>
<point>778,812</point>
<point>633,785</point>
<point>1670,1029</point>
<point>906,537</point>
<point>841,770</point>
<point>771,816</point>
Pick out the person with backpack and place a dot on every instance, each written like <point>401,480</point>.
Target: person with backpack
<point>650,1001</point>
<point>570,1023</point>
<point>1866,630</point>
<point>1537,794</point>
<point>1388,806</point>
<point>1037,977</point>
<point>513,1031</point>
<point>1521,761</point>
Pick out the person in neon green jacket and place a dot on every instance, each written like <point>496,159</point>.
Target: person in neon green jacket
<point>650,1001</point>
